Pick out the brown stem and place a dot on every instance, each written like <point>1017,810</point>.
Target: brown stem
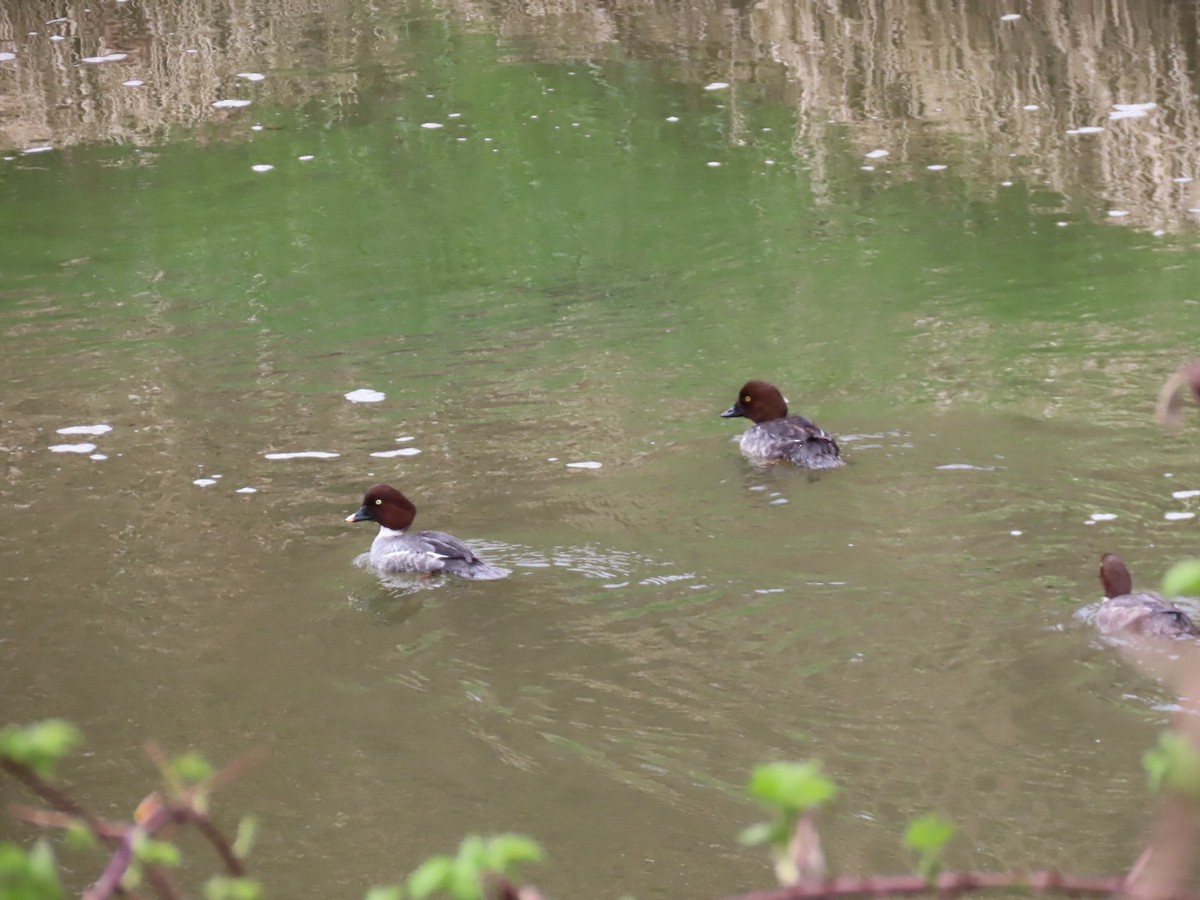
<point>56,797</point>
<point>220,843</point>
<point>110,879</point>
<point>951,884</point>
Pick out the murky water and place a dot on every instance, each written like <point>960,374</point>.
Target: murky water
<point>581,264</point>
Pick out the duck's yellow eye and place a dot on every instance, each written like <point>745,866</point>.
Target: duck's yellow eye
<point>378,502</point>
<point>746,399</point>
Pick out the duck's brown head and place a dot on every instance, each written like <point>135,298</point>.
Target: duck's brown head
<point>1114,576</point>
<point>758,401</point>
<point>387,506</point>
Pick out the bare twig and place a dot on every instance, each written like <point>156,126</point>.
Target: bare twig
<point>1169,410</point>
<point>56,797</point>
<point>950,884</point>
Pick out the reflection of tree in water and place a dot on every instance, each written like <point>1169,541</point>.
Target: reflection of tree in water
<point>946,82</point>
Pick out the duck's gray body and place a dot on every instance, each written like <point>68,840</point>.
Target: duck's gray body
<point>428,552</point>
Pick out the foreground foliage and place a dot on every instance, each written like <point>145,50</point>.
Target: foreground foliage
<point>142,857</point>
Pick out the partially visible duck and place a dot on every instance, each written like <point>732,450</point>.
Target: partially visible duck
<point>775,435</point>
<point>1144,613</point>
<point>394,550</point>
<point>1169,410</point>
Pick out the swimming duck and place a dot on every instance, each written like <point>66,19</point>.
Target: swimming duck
<point>1144,613</point>
<point>394,550</point>
<point>777,436</point>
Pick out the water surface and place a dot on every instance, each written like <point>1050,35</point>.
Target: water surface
<point>582,264</point>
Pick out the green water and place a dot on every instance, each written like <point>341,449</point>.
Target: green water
<point>559,274</point>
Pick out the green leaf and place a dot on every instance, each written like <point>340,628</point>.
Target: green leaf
<point>791,786</point>
<point>504,851</point>
<point>247,831</point>
<point>385,892</point>
<point>222,888</point>
<point>156,853</point>
<point>928,835</point>
<point>431,876</point>
<point>466,880</point>
<point>39,746</point>
<point>473,854</point>
<point>29,876</point>
<point>133,875</point>
<point>1173,765</point>
<point>1183,578</point>
<point>930,832</point>
<point>80,837</point>
<point>41,862</point>
<point>191,767</point>
<point>762,833</point>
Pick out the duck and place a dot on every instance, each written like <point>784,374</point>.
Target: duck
<point>775,436</point>
<point>1145,613</point>
<point>394,550</point>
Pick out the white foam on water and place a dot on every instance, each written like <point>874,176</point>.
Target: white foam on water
<point>1183,495</point>
<point>262,167</point>
<point>6,56</point>
<point>1183,179</point>
<point>937,167</point>
<point>1010,17</point>
<point>405,438</point>
<point>303,454</point>
<point>432,125</point>
<point>72,448</point>
<point>966,466</point>
<point>712,164</point>
<point>85,429</point>
<point>251,76</point>
<point>1178,516</point>
<point>669,119</point>
<point>716,86</point>
<point>28,151</point>
<point>589,464</point>
<point>230,104</point>
<point>98,456</point>
<point>365,395</point>
<point>133,82</point>
<point>403,451</point>
<point>878,154</point>
<point>204,482</point>
<point>109,57</point>
<point>1031,107</point>
<point>1118,213</point>
<point>1016,533</point>
<point>1103,517</point>
<point>246,490</point>
<point>1086,129</point>
<point>306,157</point>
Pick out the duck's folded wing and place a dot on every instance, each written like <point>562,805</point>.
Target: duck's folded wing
<point>811,445</point>
<point>447,546</point>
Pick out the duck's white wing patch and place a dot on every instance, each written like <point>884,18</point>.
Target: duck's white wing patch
<point>411,561</point>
